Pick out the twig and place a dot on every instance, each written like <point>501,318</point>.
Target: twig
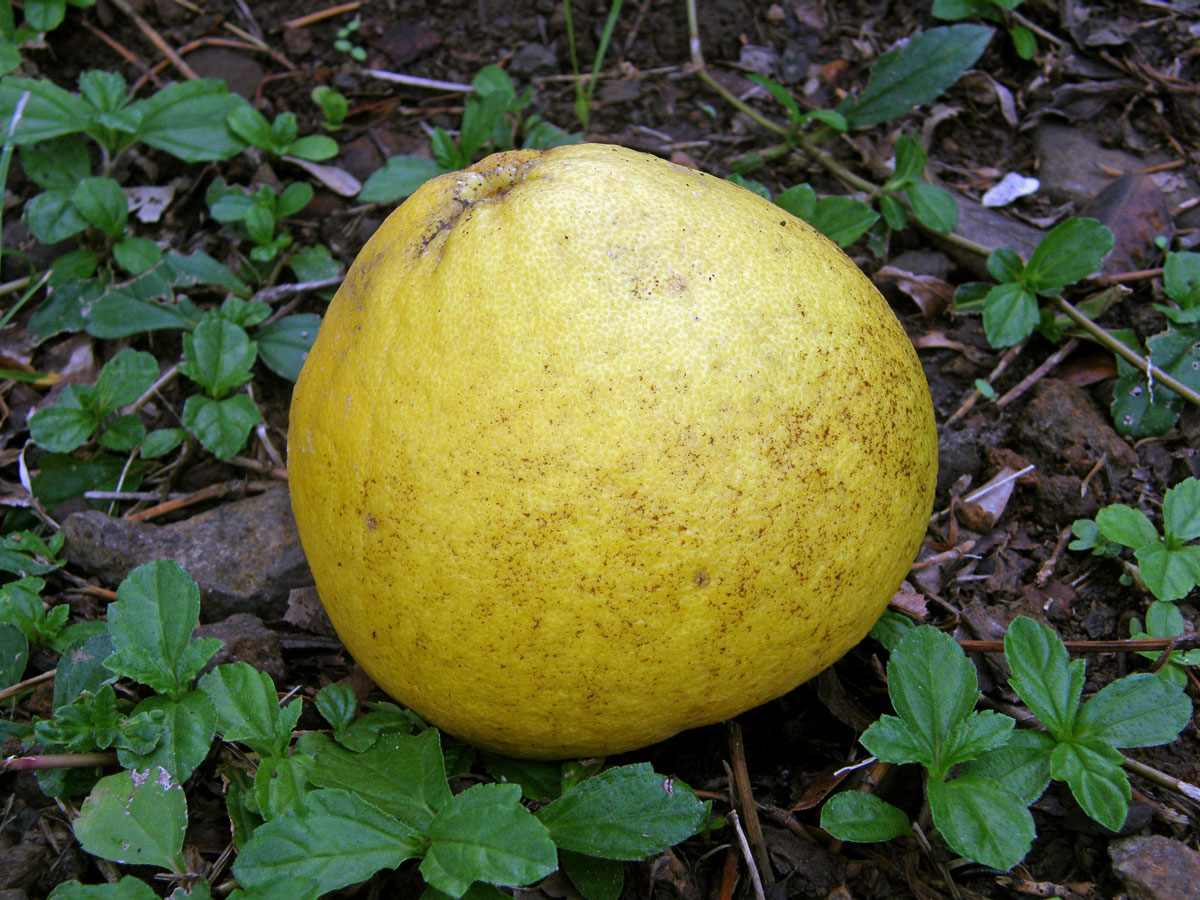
<point>754,879</point>
<point>319,15</point>
<point>269,295</point>
<point>212,492</point>
<point>1046,569</point>
<point>57,761</point>
<point>745,796</point>
<point>13,689</point>
<point>1123,351</point>
<point>1189,641</point>
<point>156,39</point>
<point>1037,374</point>
<point>1162,778</point>
<point>414,81</point>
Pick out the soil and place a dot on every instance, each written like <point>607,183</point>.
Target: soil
<point>1118,79</point>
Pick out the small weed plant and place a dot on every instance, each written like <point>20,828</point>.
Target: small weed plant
<point>981,773</point>
<point>312,811</point>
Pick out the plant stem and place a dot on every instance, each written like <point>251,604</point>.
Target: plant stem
<point>1133,358</point>
<point>57,761</point>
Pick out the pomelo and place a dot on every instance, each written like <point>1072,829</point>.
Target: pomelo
<point>593,448</point>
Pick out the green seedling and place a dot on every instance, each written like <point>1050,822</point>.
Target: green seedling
<point>1164,620</point>
<point>41,16</point>
<point>315,813</point>
<point>82,410</point>
<point>343,44</point>
<point>258,215</point>
<point>491,121</point>
<point>981,775</point>
<point>281,137</point>
<point>841,219</point>
<point>933,206</point>
<point>23,553</point>
<point>1141,408</point>
<point>1169,565</point>
<point>585,89</point>
<point>186,120</point>
<point>998,11</point>
<point>1071,251</point>
<point>334,106</point>
<point>218,355</point>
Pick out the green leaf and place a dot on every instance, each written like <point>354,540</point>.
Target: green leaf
<point>628,812</point>
<point>248,708</point>
<point>104,90</point>
<point>842,219</point>
<point>102,203</point>
<point>893,211</point>
<point>1137,412</point>
<point>1135,711</point>
<point>124,378</point>
<point>53,217</point>
<point>48,113</point>
<point>313,263</point>
<point>479,121</point>
<point>293,198</point>
<point>594,878</point>
<point>485,834</point>
<point>251,126</point>
<point>162,441</point>
<point>137,255</point>
<point>891,628</point>
<point>337,839</point>
<point>14,654</point>
<point>187,120</point>
<point>200,268</point>
<point>283,345</point>
<point>1071,251</point>
<point>933,686</point>
<point>780,93</point>
<point>1043,675</point>
<point>981,820</point>
<point>1092,769</point>
<point>1170,574</point>
<point>1023,41</point>
<point>1022,767</point>
<point>128,888</point>
<point>403,775</point>
<point>151,623</point>
<point>222,426</point>
<point>314,147</point>
<point>538,780</point>
<point>135,818</point>
<point>800,200</point>
<point>980,732</point>
<point>399,177</point>
<point>1181,274</point>
<point>280,784</point>
<point>863,818</point>
<point>1010,313</point>
<point>892,740</point>
<point>45,15</point>
<point>24,553</point>
<point>61,429</point>
<point>187,730</point>
<point>122,434</point>
<point>218,356</point>
<point>337,704</point>
<point>933,206</point>
<point>1126,526</point>
<point>917,73</point>
<point>1005,265</point>
<point>81,669</point>
<point>58,164</point>
<point>910,162</point>
<point>61,477</point>
<point>1181,511</point>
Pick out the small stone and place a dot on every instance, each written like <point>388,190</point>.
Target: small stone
<point>246,639</point>
<point>1156,868</point>
<point>244,555</point>
<point>533,58</point>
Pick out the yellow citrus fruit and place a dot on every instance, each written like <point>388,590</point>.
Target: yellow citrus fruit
<point>592,448</point>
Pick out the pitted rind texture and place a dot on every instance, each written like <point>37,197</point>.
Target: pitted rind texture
<point>593,448</point>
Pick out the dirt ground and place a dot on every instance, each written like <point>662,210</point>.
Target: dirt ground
<point>1111,94</point>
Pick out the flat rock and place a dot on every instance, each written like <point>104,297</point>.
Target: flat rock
<point>244,555</point>
<point>1073,166</point>
<point>246,639</point>
<point>1156,868</point>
